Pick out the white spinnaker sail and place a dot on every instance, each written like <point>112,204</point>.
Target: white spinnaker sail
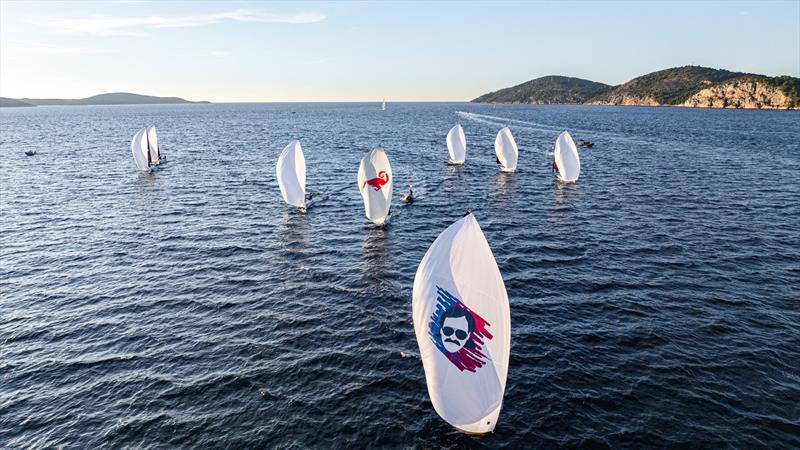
<point>506,149</point>
<point>567,158</point>
<point>152,143</point>
<point>457,145</point>
<point>375,183</point>
<point>465,359</point>
<point>139,149</point>
<point>291,174</point>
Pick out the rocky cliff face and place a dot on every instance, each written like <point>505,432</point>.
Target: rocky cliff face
<point>626,100</point>
<point>745,93</point>
<point>691,86</point>
<point>665,87</point>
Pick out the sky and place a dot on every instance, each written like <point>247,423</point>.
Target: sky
<point>366,51</point>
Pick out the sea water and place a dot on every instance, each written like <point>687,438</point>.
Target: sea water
<point>653,304</point>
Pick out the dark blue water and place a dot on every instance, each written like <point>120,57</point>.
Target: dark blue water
<point>654,304</point>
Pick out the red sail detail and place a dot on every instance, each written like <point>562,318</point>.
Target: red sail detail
<point>378,183</point>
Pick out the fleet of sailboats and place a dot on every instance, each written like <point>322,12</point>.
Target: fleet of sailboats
<point>460,306</point>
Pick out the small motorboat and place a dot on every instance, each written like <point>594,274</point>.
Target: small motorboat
<point>409,197</point>
<point>30,152</point>
<point>585,144</point>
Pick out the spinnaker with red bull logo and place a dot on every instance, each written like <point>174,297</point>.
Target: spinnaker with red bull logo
<point>375,184</point>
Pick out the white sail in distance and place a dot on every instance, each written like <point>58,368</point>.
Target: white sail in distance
<point>567,158</point>
<point>462,322</point>
<point>139,150</point>
<point>456,145</point>
<point>506,150</point>
<point>291,175</point>
<point>152,144</point>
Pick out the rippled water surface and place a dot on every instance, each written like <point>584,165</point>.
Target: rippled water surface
<point>654,304</point>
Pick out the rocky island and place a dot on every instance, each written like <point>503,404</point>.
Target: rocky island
<point>115,98</point>
<point>546,90</point>
<point>10,102</point>
<point>688,86</point>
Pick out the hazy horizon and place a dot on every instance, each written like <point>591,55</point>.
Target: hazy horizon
<point>253,52</point>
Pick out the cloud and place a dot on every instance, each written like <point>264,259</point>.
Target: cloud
<point>136,26</point>
<point>31,46</point>
<point>220,53</point>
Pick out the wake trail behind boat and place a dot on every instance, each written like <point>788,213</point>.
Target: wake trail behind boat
<point>546,130</point>
<point>497,120</point>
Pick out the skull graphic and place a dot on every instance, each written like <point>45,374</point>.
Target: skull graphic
<point>457,325</point>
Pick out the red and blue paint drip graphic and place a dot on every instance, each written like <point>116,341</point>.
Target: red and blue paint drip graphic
<point>458,332</point>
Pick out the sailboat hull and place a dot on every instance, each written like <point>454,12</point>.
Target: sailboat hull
<point>382,221</point>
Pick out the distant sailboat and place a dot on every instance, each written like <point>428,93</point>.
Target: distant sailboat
<point>152,143</point>
<point>145,149</point>
<point>375,184</point>
<point>463,327</point>
<point>383,105</point>
<point>141,155</point>
<point>567,159</point>
<point>456,145</point>
<point>506,149</point>
<point>291,175</point>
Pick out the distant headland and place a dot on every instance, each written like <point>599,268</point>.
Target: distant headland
<point>115,98</point>
<point>689,86</point>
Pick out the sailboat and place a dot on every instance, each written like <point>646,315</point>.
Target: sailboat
<point>506,149</point>
<point>291,175</point>
<point>145,149</point>
<point>383,105</point>
<point>462,323</point>
<point>152,144</point>
<point>567,158</point>
<point>375,184</point>
<point>456,145</point>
